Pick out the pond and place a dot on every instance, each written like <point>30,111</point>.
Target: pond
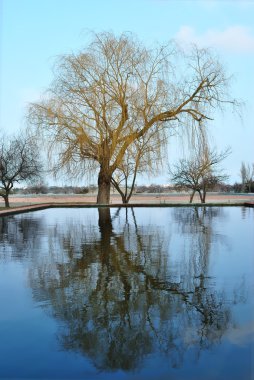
<point>135,293</point>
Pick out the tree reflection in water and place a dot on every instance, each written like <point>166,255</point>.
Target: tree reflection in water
<point>114,290</point>
<point>18,235</point>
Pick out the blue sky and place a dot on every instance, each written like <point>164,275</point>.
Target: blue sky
<point>34,32</point>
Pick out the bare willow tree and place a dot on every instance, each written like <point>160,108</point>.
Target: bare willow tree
<point>200,172</point>
<point>110,95</point>
<point>19,162</point>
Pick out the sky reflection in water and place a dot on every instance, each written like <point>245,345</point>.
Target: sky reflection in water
<point>152,293</point>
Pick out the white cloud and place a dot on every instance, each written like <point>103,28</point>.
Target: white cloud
<point>236,39</point>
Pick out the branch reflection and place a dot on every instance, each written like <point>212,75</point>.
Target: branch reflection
<point>18,235</point>
<point>121,291</point>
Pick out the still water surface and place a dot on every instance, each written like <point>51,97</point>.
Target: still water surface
<point>155,293</point>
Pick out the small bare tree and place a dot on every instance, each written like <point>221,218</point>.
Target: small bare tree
<point>146,155</point>
<point>125,175</point>
<point>19,162</point>
<point>199,173</point>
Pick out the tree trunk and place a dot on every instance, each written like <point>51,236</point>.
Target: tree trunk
<point>192,196</point>
<point>124,199</point>
<point>6,200</point>
<point>200,195</point>
<point>204,196</point>
<point>104,179</point>
<point>132,187</point>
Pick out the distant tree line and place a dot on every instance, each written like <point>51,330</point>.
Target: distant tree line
<point>44,189</point>
<point>139,189</point>
<point>238,188</point>
<point>246,185</point>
